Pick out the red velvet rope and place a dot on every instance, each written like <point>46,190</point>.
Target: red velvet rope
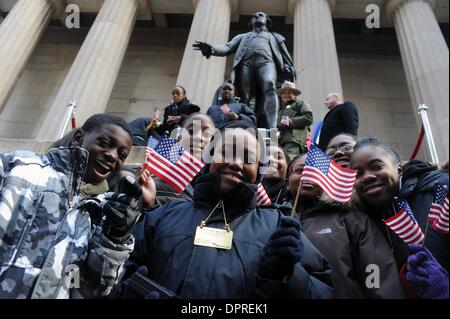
<point>74,122</point>
<point>418,144</point>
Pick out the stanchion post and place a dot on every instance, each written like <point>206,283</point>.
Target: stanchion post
<point>68,116</point>
<point>422,109</point>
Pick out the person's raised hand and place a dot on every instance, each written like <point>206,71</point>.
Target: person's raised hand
<point>232,116</point>
<point>174,119</point>
<point>148,189</point>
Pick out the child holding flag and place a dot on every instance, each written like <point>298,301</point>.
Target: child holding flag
<point>400,199</point>
<point>222,245</point>
<point>198,129</point>
<point>347,238</point>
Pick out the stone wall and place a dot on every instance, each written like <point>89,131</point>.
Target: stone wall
<point>147,76</point>
<point>148,72</point>
<point>376,84</point>
<point>38,85</point>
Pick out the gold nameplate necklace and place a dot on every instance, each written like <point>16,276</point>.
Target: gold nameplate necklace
<point>214,237</point>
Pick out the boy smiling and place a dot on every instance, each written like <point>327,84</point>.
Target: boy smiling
<point>45,224</point>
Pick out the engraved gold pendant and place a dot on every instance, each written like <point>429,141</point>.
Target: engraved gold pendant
<point>214,237</point>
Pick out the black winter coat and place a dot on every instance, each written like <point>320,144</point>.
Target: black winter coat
<point>278,193</point>
<point>351,241</point>
<point>139,129</point>
<point>166,193</point>
<point>165,244</point>
<point>220,119</point>
<point>183,109</point>
<point>342,119</point>
<point>419,193</point>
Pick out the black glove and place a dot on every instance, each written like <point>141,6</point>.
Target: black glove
<point>122,210</point>
<point>282,128</point>
<point>283,250</point>
<point>204,47</point>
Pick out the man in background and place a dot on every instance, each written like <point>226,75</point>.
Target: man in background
<point>342,118</point>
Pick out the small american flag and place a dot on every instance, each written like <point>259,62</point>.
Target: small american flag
<point>335,180</point>
<point>440,192</point>
<point>439,209</point>
<point>262,198</point>
<point>285,120</point>
<point>404,224</point>
<point>170,162</point>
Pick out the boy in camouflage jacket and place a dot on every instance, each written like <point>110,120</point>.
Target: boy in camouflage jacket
<point>49,248</point>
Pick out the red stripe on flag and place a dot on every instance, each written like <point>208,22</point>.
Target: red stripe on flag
<point>177,175</point>
<point>312,171</point>
<point>405,228</point>
<point>262,198</point>
<point>441,223</point>
<point>178,168</point>
<point>167,175</point>
<point>341,194</point>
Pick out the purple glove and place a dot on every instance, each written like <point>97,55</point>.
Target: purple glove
<point>426,275</point>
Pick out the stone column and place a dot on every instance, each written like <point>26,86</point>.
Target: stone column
<point>426,61</point>
<point>200,76</point>
<point>315,55</point>
<point>92,76</point>
<point>19,34</point>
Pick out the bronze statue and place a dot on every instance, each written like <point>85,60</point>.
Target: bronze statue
<point>262,62</point>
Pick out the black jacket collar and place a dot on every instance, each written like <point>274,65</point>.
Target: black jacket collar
<point>239,201</point>
<point>278,192</point>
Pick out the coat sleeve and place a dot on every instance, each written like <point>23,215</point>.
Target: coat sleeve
<point>247,114</point>
<point>4,166</point>
<point>144,233</point>
<point>193,108</point>
<point>287,59</point>
<point>311,278</point>
<point>161,130</point>
<point>350,118</point>
<point>304,118</point>
<point>103,266</point>
<point>229,48</point>
<point>374,258</point>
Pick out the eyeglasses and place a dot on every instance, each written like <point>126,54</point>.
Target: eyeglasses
<point>347,148</point>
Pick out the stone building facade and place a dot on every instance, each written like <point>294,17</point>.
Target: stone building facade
<point>128,54</point>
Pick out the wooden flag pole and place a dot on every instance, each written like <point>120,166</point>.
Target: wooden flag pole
<point>294,208</point>
<point>425,234</point>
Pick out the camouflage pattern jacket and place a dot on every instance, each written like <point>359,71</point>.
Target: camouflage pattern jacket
<point>48,246</point>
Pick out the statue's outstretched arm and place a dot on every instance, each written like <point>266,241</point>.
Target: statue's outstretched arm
<point>218,50</point>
